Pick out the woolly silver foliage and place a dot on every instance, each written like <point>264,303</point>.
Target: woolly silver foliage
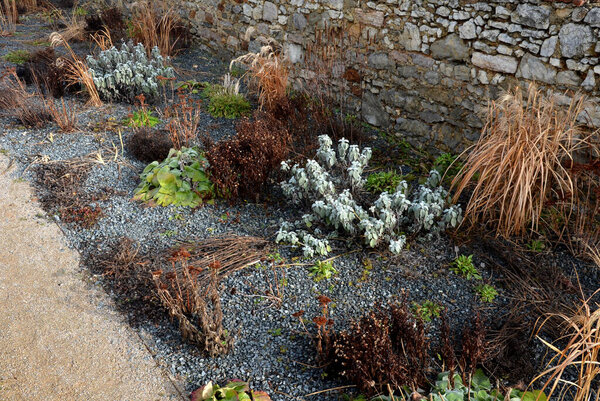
<point>330,185</point>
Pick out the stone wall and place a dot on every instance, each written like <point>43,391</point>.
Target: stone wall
<point>426,68</point>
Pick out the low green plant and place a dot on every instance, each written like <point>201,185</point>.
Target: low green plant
<point>181,180</point>
<point>232,391</point>
<point>383,181</point>
<point>18,57</point>
<point>193,86</point>
<point>323,270</point>
<point>427,311</point>
<point>536,245</point>
<point>447,165</point>
<point>463,265</point>
<point>143,118</point>
<point>479,388</point>
<point>228,105</point>
<point>487,293</point>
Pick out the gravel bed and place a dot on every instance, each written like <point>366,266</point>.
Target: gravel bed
<point>271,350</point>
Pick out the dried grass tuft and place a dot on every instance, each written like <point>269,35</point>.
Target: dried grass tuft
<point>581,353</point>
<point>154,24</point>
<point>269,73</point>
<point>9,17</point>
<point>519,161</point>
<point>78,71</point>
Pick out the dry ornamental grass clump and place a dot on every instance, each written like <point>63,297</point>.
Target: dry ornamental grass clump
<point>519,163</point>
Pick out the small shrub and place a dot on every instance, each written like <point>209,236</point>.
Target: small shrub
<point>143,118</point>
<point>241,165</point>
<point>28,108</point>
<point>45,69</point>
<point>332,187</point>
<point>126,73</point>
<point>148,145</point>
<point>487,293</point>
<point>463,265</point>
<point>179,180</point>
<point>18,57</point>
<point>384,347</point>
<point>383,181</point>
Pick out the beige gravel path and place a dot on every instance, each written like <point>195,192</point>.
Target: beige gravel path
<point>60,339</point>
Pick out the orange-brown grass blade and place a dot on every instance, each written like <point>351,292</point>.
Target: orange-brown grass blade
<point>581,353</point>
<point>8,17</point>
<point>269,72</point>
<point>78,70</point>
<point>517,164</point>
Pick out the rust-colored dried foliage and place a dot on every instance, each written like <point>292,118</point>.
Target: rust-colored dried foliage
<point>384,347</point>
<point>184,120</point>
<point>240,166</point>
<point>62,193</point>
<point>195,303</point>
<point>269,73</point>
<point>149,144</point>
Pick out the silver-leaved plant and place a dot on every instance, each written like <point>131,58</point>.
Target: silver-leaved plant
<point>330,185</point>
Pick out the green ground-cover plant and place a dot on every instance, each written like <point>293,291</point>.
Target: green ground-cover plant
<point>448,165</point>
<point>427,310</point>
<point>228,105</point>
<point>383,181</point>
<point>323,270</point>
<point>18,57</point>
<point>487,293</point>
<point>232,391</point>
<point>463,265</point>
<point>143,118</point>
<point>181,180</point>
<point>225,100</point>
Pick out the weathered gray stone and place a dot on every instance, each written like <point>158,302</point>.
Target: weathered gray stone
<point>379,60</point>
<point>295,53</point>
<point>575,39</point>
<point>593,17</point>
<point>503,37</point>
<point>468,30</point>
<point>530,15</point>
<point>589,82</point>
<point>579,14</point>
<point>374,18</point>
<point>410,37</point>
<point>495,63</point>
<point>569,78</point>
<point>535,69</point>
<point>299,21</point>
<point>373,112</point>
<point>549,46</point>
<point>451,47</point>
<point>269,12</point>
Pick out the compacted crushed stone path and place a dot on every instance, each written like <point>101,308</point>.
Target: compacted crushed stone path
<point>60,339</point>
